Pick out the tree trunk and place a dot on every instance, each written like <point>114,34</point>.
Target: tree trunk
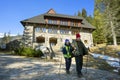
<point>113,33</point>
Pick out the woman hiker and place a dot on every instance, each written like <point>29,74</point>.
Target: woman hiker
<point>67,51</point>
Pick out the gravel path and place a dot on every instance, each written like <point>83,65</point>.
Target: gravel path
<point>21,68</point>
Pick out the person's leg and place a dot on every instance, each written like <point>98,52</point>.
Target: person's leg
<point>68,64</point>
<point>79,63</point>
<point>77,59</point>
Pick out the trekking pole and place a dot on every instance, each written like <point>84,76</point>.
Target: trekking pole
<point>86,66</point>
<point>60,66</point>
<point>87,58</point>
<point>86,63</point>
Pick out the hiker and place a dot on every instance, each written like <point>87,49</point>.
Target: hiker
<point>79,51</point>
<point>87,45</point>
<point>67,49</point>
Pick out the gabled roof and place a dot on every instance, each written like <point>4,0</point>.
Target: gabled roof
<point>51,13</point>
<point>86,24</point>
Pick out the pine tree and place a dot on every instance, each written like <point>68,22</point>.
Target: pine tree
<point>6,38</point>
<point>111,19</point>
<point>90,19</point>
<point>84,13</point>
<point>110,9</point>
<point>98,34</point>
<point>79,13</point>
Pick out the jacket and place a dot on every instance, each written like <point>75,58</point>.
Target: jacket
<point>67,51</point>
<point>80,47</point>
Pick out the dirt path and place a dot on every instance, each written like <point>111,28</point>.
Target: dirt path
<point>21,68</point>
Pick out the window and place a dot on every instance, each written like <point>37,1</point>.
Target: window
<point>74,32</point>
<point>37,29</point>
<point>64,22</point>
<point>53,31</point>
<point>64,31</point>
<point>61,31</point>
<point>85,41</point>
<point>43,30</point>
<point>52,21</point>
<point>40,29</point>
<point>49,30</point>
<point>74,24</point>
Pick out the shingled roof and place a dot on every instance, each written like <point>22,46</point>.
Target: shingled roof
<point>40,19</point>
<point>35,19</point>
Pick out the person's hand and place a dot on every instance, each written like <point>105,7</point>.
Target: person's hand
<point>72,45</point>
<point>75,48</point>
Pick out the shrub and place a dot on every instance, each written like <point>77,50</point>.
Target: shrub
<point>38,53</point>
<point>13,45</point>
<point>18,51</point>
<point>29,52</point>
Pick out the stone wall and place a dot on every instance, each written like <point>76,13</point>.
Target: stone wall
<point>61,38</point>
<point>28,35</point>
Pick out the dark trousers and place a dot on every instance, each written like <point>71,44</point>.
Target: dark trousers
<point>67,63</point>
<point>79,63</point>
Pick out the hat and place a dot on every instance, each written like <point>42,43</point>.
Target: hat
<point>78,35</point>
<point>67,40</point>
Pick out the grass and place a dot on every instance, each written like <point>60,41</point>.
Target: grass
<point>97,64</point>
<point>110,50</point>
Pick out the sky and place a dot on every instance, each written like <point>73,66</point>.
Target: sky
<point>14,11</point>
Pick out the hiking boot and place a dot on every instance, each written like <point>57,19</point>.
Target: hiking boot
<point>80,75</point>
<point>67,71</point>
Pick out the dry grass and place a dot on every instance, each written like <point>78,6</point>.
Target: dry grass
<point>110,50</point>
<point>97,64</point>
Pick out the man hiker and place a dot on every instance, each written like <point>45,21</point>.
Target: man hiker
<point>79,51</point>
<point>87,45</point>
<point>67,50</point>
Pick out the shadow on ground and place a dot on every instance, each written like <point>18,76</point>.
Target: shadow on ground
<point>21,68</point>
